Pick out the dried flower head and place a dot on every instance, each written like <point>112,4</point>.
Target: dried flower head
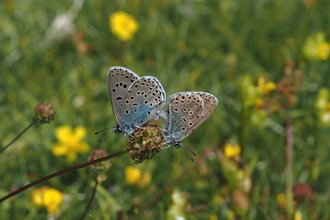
<point>289,84</point>
<point>302,192</point>
<point>45,112</point>
<point>97,154</point>
<point>145,143</point>
<point>102,167</point>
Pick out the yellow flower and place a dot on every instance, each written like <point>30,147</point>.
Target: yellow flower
<point>134,176</point>
<point>281,200</point>
<point>322,107</point>
<point>323,51</point>
<point>123,25</point>
<point>70,142</point>
<point>47,197</point>
<point>265,87</point>
<point>232,151</point>
<point>213,217</point>
<point>316,48</point>
<point>297,215</point>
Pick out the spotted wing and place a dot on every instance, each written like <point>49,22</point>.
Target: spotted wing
<point>119,79</point>
<point>187,110</point>
<point>143,99</point>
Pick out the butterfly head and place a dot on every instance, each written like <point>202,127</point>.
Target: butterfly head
<point>118,129</point>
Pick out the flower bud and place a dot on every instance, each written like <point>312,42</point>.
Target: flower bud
<point>45,112</point>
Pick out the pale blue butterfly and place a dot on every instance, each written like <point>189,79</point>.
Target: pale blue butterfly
<point>186,111</point>
<point>134,99</point>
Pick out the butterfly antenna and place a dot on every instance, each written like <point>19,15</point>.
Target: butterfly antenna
<point>103,130</point>
<point>189,151</point>
<point>103,137</point>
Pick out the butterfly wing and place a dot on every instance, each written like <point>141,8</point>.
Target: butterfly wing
<point>210,102</point>
<point>119,80</point>
<point>187,110</point>
<point>143,99</point>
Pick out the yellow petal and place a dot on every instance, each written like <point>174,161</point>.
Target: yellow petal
<point>297,215</point>
<point>79,133</point>
<point>323,51</point>
<point>281,199</point>
<point>52,208</point>
<point>132,174</point>
<point>232,151</point>
<point>63,133</point>
<point>82,147</point>
<point>59,149</point>
<point>52,199</point>
<point>268,87</point>
<point>36,197</point>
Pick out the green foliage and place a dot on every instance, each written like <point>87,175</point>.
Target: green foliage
<point>210,46</point>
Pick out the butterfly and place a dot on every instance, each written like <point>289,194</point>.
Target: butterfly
<point>186,111</point>
<point>134,99</point>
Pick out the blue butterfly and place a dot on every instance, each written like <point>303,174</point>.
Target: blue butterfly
<point>134,99</point>
<point>186,111</point>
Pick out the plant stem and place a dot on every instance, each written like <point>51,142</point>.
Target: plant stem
<point>61,172</point>
<point>20,134</point>
<point>289,141</point>
<point>91,200</point>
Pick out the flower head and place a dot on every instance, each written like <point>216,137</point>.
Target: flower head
<point>102,167</point>
<point>302,192</point>
<point>297,215</point>
<point>316,48</point>
<point>323,51</point>
<point>123,25</point>
<point>134,176</point>
<point>47,197</point>
<point>45,112</point>
<point>70,142</point>
<point>145,143</point>
<point>281,200</point>
<point>265,87</point>
<point>322,107</point>
<point>231,150</point>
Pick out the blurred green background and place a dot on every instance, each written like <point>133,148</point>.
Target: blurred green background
<point>60,52</point>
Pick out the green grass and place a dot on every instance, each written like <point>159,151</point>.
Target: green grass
<point>189,46</point>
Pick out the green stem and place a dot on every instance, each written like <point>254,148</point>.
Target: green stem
<point>91,200</point>
<point>60,173</point>
<point>289,143</point>
<point>20,134</point>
